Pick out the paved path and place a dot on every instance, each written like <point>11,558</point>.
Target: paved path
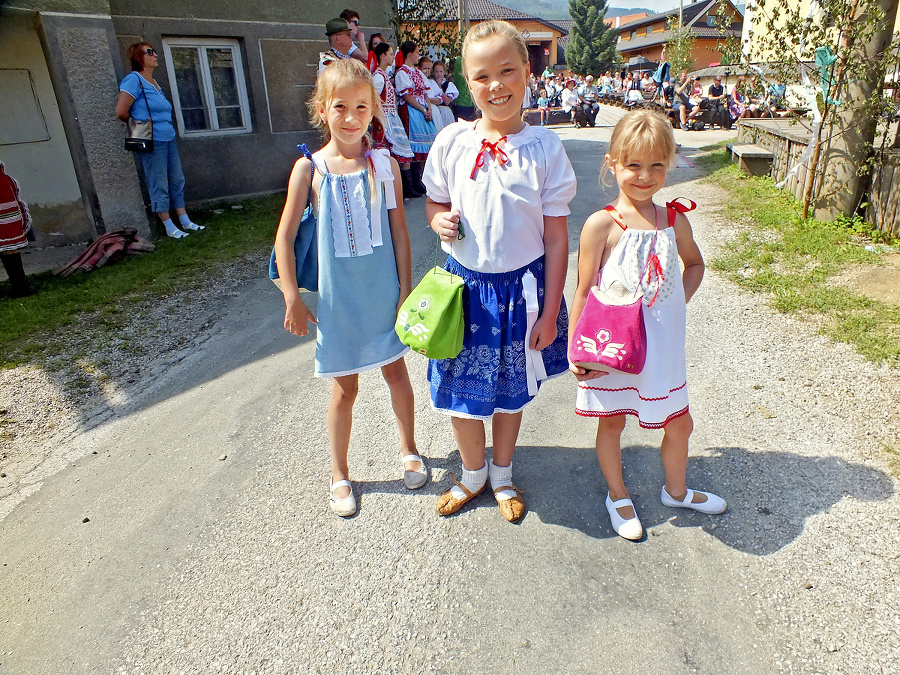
<point>195,563</point>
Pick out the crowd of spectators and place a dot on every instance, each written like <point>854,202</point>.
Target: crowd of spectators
<point>688,104</point>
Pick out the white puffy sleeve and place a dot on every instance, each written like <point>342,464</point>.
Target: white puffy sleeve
<point>452,91</point>
<point>559,177</point>
<point>436,175</point>
<point>379,83</point>
<point>403,83</point>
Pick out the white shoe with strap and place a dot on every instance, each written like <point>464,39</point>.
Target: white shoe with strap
<point>413,480</point>
<point>344,506</point>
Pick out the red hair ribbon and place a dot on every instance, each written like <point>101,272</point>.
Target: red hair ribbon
<point>487,146</point>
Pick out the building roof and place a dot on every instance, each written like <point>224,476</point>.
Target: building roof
<point>689,14</point>
<point>485,10</point>
<point>565,24</point>
<point>623,19</point>
<point>701,32</point>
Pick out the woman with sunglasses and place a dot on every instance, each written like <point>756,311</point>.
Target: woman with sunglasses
<point>142,98</point>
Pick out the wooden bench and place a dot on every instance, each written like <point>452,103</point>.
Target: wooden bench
<point>556,116</point>
<point>751,159</point>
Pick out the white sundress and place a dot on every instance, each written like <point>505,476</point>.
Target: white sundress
<point>658,393</point>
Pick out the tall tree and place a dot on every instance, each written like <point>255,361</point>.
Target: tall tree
<point>592,44</point>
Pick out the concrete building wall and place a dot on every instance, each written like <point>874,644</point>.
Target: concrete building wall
<point>279,46</point>
<point>80,53</point>
<point>33,142</point>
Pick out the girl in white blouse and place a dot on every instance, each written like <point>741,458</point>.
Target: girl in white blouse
<point>498,195</point>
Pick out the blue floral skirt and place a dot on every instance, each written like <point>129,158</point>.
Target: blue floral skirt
<point>490,373</point>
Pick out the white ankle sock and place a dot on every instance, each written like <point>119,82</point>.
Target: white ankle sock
<point>500,476</point>
<point>473,480</point>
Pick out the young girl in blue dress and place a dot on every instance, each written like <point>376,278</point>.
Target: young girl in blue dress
<point>498,195</point>
<point>365,268</point>
<point>638,243</point>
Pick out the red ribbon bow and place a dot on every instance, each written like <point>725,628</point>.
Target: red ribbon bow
<point>487,146</point>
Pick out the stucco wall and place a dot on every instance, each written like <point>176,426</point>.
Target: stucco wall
<point>80,55</point>
<point>43,167</point>
<point>279,61</point>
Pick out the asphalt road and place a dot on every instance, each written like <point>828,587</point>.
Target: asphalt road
<point>191,533</point>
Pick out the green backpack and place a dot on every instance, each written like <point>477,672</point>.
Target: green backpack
<point>430,320</point>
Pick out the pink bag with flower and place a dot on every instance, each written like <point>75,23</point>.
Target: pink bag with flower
<point>610,334</point>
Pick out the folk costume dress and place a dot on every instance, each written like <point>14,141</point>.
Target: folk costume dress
<point>421,132</point>
<point>503,192</point>
<point>15,219</point>
<point>441,114</point>
<point>394,133</point>
<point>358,284</point>
<point>658,393</point>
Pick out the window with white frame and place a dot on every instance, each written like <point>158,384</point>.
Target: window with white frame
<point>208,88</point>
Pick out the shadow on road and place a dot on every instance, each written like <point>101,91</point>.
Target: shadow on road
<point>770,494</point>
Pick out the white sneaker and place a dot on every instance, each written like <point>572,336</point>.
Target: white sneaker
<point>713,504</point>
<point>628,529</point>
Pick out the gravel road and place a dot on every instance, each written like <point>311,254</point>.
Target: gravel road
<point>197,452</point>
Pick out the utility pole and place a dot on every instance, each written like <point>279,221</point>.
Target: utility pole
<point>848,149</point>
<point>463,6</point>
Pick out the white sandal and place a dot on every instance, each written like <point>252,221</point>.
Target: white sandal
<point>346,506</point>
<point>413,480</point>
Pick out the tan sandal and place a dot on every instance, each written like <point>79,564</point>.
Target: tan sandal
<point>514,507</point>
<point>448,504</point>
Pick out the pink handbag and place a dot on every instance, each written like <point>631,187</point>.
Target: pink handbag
<point>610,333</point>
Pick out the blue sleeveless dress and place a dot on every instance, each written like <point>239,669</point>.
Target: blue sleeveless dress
<point>358,284</point>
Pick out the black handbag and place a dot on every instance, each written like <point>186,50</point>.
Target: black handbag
<point>140,134</point>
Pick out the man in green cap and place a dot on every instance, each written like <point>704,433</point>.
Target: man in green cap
<point>342,47</point>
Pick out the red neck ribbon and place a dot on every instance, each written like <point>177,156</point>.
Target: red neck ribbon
<point>487,146</point>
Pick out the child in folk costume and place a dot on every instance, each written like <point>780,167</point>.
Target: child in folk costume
<point>15,230</point>
<point>498,195</point>
<point>446,91</point>
<point>365,268</point>
<point>637,243</point>
<point>433,94</point>
<point>392,134</point>
<point>414,109</point>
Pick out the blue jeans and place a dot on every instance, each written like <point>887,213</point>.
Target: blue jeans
<point>165,179</point>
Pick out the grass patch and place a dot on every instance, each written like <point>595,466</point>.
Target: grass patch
<point>893,459</point>
<point>174,265</point>
<point>794,261</point>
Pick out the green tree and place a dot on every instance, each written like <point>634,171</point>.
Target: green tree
<point>429,23</point>
<point>679,46</point>
<point>592,44</point>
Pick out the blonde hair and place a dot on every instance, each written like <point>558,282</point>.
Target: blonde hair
<point>339,74</point>
<point>640,133</point>
<point>488,29</point>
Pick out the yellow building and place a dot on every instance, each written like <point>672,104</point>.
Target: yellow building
<point>754,47</point>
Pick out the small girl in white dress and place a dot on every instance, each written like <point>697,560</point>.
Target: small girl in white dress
<point>638,243</point>
<point>498,197</point>
<point>446,91</point>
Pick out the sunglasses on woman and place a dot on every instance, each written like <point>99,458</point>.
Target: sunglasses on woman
<point>150,51</point>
